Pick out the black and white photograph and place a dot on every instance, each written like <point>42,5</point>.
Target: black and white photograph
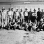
<point>21,21</point>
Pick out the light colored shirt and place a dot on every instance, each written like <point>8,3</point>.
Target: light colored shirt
<point>4,13</point>
<point>22,15</point>
<point>26,13</point>
<point>10,13</point>
<point>17,14</point>
<point>34,14</point>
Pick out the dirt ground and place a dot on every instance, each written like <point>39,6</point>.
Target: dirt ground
<point>21,37</point>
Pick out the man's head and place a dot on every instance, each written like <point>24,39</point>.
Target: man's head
<point>34,10</point>
<point>38,9</point>
<point>11,9</point>
<point>3,8</point>
<point>25,9</point>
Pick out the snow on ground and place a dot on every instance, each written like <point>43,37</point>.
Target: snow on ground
<point>21,37</point>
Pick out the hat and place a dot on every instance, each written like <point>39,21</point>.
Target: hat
<point>38,8</point>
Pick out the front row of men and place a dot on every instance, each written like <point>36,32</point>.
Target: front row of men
<point>26,20</point>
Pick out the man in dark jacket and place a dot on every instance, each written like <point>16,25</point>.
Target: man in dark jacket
<point>29,15</point>
<point>38,15</point>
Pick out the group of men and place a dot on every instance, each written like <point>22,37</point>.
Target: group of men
<point>20,19</point>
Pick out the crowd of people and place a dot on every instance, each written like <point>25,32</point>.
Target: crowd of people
<point>22,20</point>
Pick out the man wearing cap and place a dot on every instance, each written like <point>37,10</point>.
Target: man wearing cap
<point>26,15</point>
<point>4,17</point>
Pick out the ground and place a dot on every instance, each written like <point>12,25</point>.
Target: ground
<point>21,37</point>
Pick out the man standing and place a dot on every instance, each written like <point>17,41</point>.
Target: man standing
<point>38,15</point>
<point>26,15</point>
<point>34,20</point>
<point>17,14</point>
<point>10,14</point>
<point>29,15</point>
<point>4,17</point>
<point>34,16</point>
<point>21,15</point>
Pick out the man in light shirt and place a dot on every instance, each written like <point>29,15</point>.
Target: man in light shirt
<point>10,14</point>
<point>21,15</point>
<point>26,15</point>
<point>17,14</point>
<point>4,17</point>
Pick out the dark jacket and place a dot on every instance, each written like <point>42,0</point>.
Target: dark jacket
<point>38,16</point>
<point>29,14</point>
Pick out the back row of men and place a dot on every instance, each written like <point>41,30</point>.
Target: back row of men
<point>10,15</point>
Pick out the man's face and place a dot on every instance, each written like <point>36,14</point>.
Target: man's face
<point>26,9</point>
<point>11,9</point>
<point>38,9</point>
